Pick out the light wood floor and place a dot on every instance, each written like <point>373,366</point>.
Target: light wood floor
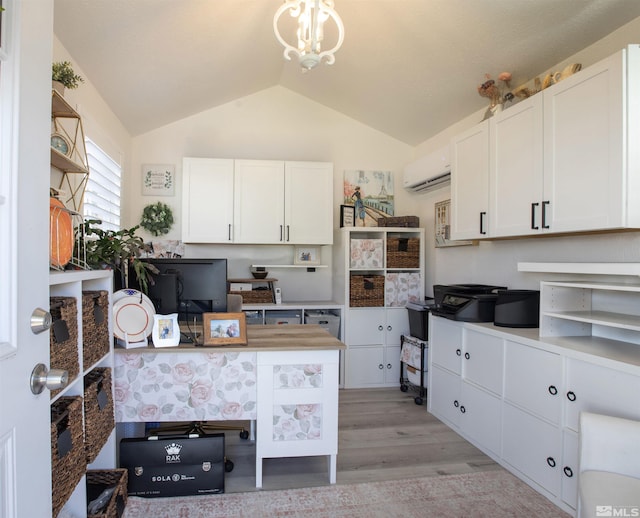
<point>383,435</point>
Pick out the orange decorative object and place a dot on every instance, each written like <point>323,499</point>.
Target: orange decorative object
<point>60,234</point>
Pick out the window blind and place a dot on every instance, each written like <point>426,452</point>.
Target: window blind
<point>102,193</point>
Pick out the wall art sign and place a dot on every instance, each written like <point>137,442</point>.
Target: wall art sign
<point>158,179</point>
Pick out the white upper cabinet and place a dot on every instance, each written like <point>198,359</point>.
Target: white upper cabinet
<point>207,200</point>
<point>562,161</point>
<point>470,183</point>
<point>516,169</point>
<point>257,201</point>
<point>584,131</point>
<point>308,206</point>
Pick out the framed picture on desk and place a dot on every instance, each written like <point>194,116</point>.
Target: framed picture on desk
<point>224,328</point>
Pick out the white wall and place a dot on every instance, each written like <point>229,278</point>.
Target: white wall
<point>496,262</point>
<point>279,124</point>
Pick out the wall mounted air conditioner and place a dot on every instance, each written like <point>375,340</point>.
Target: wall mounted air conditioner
<point>429,172</point>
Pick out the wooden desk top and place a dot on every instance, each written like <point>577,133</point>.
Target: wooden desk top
<point>284,337</point>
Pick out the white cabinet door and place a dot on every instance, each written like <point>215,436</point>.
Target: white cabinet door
<point>207,200</point>
<point>365,326</point>
<point>364,366</point>
<point>533,380</point>
<point>470,183</point>
<point>259,202</point>
<point>308,203</point>
<point>593,388</point>
<point>570,468</point>
<point>445,343</point>
<point>533,447</point>
<point>482,360</point>
<point>443,395</point>
<point>516,169</point>
<point>396,325</point>
<point>392,365</point>
<point>584,146</point>
<point>480,417</point>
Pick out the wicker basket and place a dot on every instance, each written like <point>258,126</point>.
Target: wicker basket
<point>403,252</point>
<point>366,291</point>
<point>399,221</point>
<point>95,326</point>
<point>98,411</point>
<point>98,480</point>
<point>63,342</point>
<point>255,296</point>
<point>67,449</point>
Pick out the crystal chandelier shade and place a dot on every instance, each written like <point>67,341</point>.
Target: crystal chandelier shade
<point>311,15</point>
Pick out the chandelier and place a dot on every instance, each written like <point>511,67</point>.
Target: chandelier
<point>311,15</point>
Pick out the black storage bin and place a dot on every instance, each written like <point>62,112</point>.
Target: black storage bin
<point>418,320</point>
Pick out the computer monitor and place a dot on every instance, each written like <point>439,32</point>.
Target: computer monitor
<point>189,287</point>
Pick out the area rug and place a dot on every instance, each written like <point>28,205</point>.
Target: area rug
<point>491,494</point>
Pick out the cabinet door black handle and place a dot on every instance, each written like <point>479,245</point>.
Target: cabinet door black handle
<point>482,215</point>
<point>571,396</point>
<point>545,204</point>
<point>458,352</point>
<point>456,404</point>
<point>553,390</point>
<point>568,471</point>
<point>380,327</point>
<point>281,233</point>
<point>551,461</point>
<point>462,409</point>
<point>229,231</point>
<point>287,233</point>
<point>466,356</point>
<point>389,328</point>
<point>380,366</point>
<point>388,365</point>
<point>533,216</point>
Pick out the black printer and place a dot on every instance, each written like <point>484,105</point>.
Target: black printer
<point>466,302</point>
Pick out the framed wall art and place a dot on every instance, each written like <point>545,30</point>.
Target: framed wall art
<point>307,255</point>
<point>347,215</point>
<point>224,328</point>
<point>158,179</point>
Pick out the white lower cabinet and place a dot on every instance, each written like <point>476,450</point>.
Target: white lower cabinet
<point>528,419</point>
<point>372,366</point>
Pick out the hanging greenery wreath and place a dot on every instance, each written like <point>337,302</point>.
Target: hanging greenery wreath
<point>157,218</point>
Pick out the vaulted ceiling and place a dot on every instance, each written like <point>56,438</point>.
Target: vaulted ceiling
<point>408,68</point>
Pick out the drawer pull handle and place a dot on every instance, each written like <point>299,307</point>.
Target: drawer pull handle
<point>571,396</point>
<point>551,461</point>
<point>467,356</point>
<point>458,352</point>
<point>553,390</point>
<point>568,471</point>
<point>456,404</point>
<point>462,409</point>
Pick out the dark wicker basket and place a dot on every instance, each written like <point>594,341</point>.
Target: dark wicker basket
<point>68,462</point>
<point>399,221</point>
<point>98,480</point>
<point>255,296</point>
<point>63,336</point>
<point>403,252</point>
<point>98,411</point>
<point>95,326</point>
<point>366,290</point>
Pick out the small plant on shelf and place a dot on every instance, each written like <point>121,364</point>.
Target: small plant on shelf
<point>63,72</point>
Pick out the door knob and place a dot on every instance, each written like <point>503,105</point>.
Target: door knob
<point>40,321</point>
<point>42,378</point>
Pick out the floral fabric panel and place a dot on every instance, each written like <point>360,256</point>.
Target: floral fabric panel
<point>401,288</point>
<point>297,422</point>
<point>297,376</point>
<point>366,253</point>
<point>410,354</point>
<point>185,386</point>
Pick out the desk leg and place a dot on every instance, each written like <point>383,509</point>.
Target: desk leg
<point>258,471</point>
<point>332,468</point>
<point>252,430</point>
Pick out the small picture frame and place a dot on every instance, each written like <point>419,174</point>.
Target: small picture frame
<point>347,215</point>
<point>224,328</point>
<point>166,330</point>
<point>306,255</point>
<point>158,179</point>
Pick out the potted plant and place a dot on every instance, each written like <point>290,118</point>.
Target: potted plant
<point>63,74</point>
<point>117,249</point>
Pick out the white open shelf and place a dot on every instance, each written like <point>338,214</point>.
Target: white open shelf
<point>582,268</point>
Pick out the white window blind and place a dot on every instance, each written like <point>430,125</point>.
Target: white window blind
<point>102,193</point>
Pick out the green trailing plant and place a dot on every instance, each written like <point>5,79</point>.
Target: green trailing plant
<point>117,249</point>
<point>63,72</point>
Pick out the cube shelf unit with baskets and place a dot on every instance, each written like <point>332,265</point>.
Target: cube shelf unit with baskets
<point>83,442</point>
<point>382,269</point>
